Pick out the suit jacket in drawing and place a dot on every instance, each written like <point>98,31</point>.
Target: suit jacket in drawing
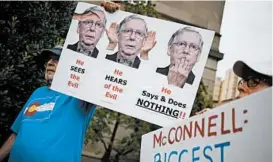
<point>165,71</point>
<point>114,56</point>
<point>74,47</point>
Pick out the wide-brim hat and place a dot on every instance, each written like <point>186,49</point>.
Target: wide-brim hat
<point>47,54</point>
<point>53,52</point>
<point>243,70</point>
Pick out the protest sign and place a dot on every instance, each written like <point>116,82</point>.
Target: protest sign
<point>239,131</point>
<point>151,69</point>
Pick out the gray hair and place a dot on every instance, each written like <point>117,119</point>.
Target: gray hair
<point>95,9</point>
<point>132,17</point>
<point>181,31</point>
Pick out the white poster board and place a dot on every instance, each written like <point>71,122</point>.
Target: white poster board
<point>143,91</point>
<point>240,131</point>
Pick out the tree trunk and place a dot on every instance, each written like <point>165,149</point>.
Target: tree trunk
<point>107,153</point>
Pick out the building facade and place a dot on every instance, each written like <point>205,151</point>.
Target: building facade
<point>226,90</point>
<point>229,86</point>
<point>217,89</point>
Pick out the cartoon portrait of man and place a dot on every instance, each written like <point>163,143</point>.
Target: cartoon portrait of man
<point>184,48</point>
<point>131,37</point>
<point>91,26</point>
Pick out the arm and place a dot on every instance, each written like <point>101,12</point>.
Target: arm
<point>15,128</point>
<point>6,147</point>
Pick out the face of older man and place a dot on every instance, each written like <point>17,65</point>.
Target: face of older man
<point>90,29</point>
<point>185,46</point>
<point>131,38</point>
<point>250,86</point>
<point>50,68</point>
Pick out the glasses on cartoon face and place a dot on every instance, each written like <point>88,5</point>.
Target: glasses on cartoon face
<point>183,45</point>
<point>252,81</point>
<point>90,23</point>
<point>128,32</point>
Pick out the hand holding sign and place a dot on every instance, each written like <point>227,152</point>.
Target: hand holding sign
<point>179,72</point>
<point>112,36</point>
<point>149,44</point>
<point>110,7</point>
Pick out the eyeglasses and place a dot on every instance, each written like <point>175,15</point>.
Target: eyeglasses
<point>252,81</point>
<point>98,25</point>
<point>183,45</point>
<point>138,34</point>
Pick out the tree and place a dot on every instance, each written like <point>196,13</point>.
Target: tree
<point>25,29</point>
<point>202,100</point>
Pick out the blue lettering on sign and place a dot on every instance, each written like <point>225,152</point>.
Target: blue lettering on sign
<point>180,155</point>
<point>173,152</point>
<point>194,159</point>
<point>157,157</point>
<point>198,154</point>
<point>206,155</point>
<point>222,145</point>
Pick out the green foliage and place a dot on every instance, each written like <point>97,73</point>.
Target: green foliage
<point>25,29</point>
<point>202,100</point>
<point>103,126</point>
<point>142,8</point>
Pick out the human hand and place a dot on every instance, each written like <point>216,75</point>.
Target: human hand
<point>110,7</point>
<point>148,45</point>
<point>178,73</point>
<point>112,36</point>
<point>81,17</point>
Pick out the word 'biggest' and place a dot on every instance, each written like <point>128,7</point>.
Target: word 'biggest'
<point>195,154</point>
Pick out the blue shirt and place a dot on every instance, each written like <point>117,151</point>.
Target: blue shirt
<point>50,128</point>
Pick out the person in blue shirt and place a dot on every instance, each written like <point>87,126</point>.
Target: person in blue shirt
<point>51,126</point>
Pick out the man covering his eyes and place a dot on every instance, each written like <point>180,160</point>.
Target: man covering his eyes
<point>91,27</point>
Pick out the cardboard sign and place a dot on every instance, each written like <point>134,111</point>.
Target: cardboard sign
<point>150,70</point>
<point>239,131</point>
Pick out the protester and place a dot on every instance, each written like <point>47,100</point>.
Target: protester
<point>184,49</point>
<point>253,80</point>
<point>51,125</point>
<point>40,131</point>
